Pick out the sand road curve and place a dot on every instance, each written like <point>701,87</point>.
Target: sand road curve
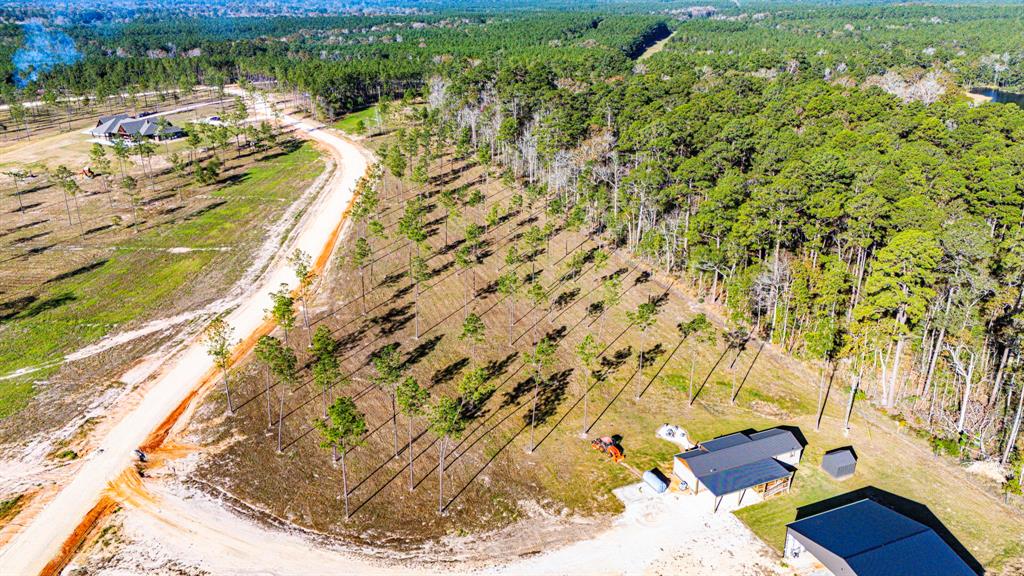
<point>670,533</point>
<point>43,537</point>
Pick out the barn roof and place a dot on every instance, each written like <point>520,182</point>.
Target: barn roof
<point>739,449</point>
<point>869,539</point>
<point>731,463</point>
<point>744,476</point>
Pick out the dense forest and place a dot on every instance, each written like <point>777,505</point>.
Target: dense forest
<point>815,170</point>
<point>342,62</point>
<point>880,238</point>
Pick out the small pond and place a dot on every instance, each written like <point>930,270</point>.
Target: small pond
<point>1000,95</point>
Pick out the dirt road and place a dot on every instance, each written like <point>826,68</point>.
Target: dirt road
<point>43,537</point>
<point>167,524</point>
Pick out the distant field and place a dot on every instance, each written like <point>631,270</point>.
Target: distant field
<point>350,122</point>
<point>188,258</point>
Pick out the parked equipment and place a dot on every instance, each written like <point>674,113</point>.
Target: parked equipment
<point>140,455</point>
<point>609,446</point>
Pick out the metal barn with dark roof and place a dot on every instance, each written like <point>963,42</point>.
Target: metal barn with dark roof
<point>865,538</point>
<point>763,461</point>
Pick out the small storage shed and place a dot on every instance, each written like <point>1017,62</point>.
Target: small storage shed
<point>656,480</point>
<point>840,463</point>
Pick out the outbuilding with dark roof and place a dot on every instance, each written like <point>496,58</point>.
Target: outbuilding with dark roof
<point>865,538</point>
<point>763,461</point>
<point>840,463</point>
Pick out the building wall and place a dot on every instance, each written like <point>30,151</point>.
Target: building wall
<point>794,549</point>
<point>808,552</point>
<point>791,458</point>
<point>683,472</point>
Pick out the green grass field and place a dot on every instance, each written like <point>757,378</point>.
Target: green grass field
<point>140,279</point>
<point>350,122</point>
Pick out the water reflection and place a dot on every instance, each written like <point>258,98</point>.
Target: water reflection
<point>1000,96</point>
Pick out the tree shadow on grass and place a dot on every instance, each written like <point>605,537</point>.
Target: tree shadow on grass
<point>565,298</point>
<point>27,239</point>
<point>612,363</point>
<point>749,368</point>
<point>708,376</point>
<point>555,335</point>
<point>25,207</point>
<point>171,210</point>
<point>393,320</point>
<point>652,354</point>
<point>351,339</point>
<point>549,395</point>
<point>421,351</point>
<point>31,306</point>
<point>531,277</point>
<point>21,227</point>
<point>40,249</point>
<point>497,368</point>
<point>392,278</point>
<point>158,198</point>
<point>78,271</point>
<point>442,268</point>
<point>513,396</point>
<point>97,229</point>
<point>209,207</point>
<point>490,460</point>
<point>625,383</point>
<point>447,373</point>
<point>488,289</point>
<point>403,291</point>
<point>391,457</point>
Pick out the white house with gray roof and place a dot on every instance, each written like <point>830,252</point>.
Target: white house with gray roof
<point>730,465</point>
<point>124,127</point>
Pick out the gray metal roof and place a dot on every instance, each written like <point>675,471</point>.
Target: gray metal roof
<point>121,124</point>
<point>739,449</point>
<point>726,441</point>
<point>839,462</point>
<point>869,539</point>
<point>745,476</point>
<point>733,462</point>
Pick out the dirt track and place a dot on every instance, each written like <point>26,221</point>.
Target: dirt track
<point>181,376</point>
<point>670,533</point>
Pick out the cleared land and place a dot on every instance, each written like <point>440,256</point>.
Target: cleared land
<point>350,122</point>
<point>115,268</point>
<point>41,119</point>
<point>140,420</point>
<point>492,481</point>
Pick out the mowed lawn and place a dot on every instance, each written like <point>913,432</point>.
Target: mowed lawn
<point>491,473</point>
<point>350,122</point>
<point>162,271</point>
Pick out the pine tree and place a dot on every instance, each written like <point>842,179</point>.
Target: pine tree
<point>344,429</point>
<point>412,400</point>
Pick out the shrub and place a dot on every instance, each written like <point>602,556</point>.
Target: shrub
<point>946,446</point>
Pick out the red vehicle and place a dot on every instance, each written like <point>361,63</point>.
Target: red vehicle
<point>609,446</point>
